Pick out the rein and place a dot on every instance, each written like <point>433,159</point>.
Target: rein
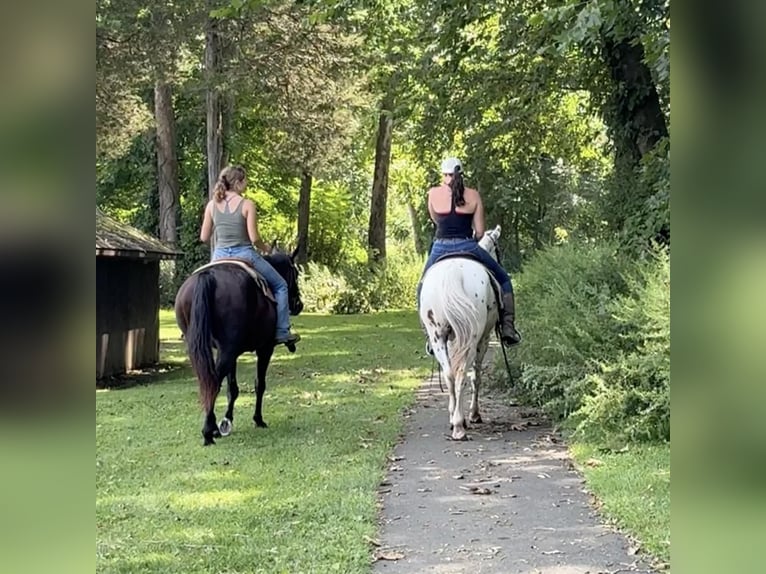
<point>498,333</point>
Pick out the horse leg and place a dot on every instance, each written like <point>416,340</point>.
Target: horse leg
<point>441,353</point>
<point>458,421</point>
<point>210,427</point>
<point>264,356</point>
<point>473,415</point>
<point>232,392</point>
<point>461,371</point>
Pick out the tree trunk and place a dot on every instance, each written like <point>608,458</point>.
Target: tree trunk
<point>377,230</point>
<point>638,121</point>
<point>214,103</point>
<point>420,248</point>
<point>167,164</point>
<point>304,204</point>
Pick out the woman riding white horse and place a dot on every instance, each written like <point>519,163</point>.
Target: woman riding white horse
<point>459,310</point>
<point>455,298</point>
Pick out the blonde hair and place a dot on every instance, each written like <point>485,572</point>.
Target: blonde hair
<point>229,175</point>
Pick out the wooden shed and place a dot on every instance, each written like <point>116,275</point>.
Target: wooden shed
<point>127,296</point>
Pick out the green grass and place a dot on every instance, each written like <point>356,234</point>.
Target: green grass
<point>299,496</point>
<point>633,488</point>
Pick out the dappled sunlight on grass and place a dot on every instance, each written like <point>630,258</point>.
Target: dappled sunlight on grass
<point>297,496</point>
<point>211,499</point>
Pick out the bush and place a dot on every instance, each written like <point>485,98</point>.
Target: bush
<point>629,396</point>
<point>563,300</point>
<point>362,288</point>
<point>320,287</point>
<point>597,340</point>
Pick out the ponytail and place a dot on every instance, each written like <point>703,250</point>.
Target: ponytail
<point>228,177</point>
<point>458,187</point>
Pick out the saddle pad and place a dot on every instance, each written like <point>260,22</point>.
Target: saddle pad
<point>244,264</point>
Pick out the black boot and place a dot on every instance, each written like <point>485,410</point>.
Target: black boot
<point>508,330</point>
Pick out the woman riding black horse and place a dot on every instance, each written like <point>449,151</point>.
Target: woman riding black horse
<point>223,307</point>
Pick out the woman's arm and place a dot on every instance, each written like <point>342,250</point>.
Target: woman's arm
<point>478,218</point>
<point>207,223</point>
<point>252,226</point>
<point>431,210</point>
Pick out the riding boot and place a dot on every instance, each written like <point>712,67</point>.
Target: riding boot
<point>289,339</point>
<point>508,330</point>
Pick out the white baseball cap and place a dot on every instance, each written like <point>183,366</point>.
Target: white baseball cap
<point>449,165</point>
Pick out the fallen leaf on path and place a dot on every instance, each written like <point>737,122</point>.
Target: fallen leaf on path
<point>519,426</point>
<point>633,550</point>
<point>592,462</point>
<point>458,477</point>
<point>550,552</point>
<point>388,555</point>
<point>543,475</point>
<point>371,541</point>
<point>476,489</point>
<point>395,458</point>
<point>396,468</point>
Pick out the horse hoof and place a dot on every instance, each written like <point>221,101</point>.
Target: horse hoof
<point>262,424</point>
<point>458,433</point>
<point>225,426</point>
<point>290,347</point>
<point>476,419</point>
<point>208,441</point>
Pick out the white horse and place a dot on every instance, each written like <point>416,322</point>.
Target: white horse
<point>459,310</point>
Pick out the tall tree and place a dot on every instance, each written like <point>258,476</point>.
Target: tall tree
<point>167,164</point>
<point>377,229</point>
<point>304,212</point>
<point>214,101</point>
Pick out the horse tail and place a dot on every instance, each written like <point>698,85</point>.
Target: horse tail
<point>199,339</point>
<point>463,318</point>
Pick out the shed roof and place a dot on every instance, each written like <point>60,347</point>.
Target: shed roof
<point>115,239</point>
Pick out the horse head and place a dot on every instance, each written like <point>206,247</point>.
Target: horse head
<point>285,265</point>
<point>490,242</point>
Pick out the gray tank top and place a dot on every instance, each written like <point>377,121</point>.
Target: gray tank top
<point>230,227</point>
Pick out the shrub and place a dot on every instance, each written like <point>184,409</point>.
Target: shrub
<point>357,287</point>
<point>597,340</point>
<point>629,396</point>
<point>320,287</point>
<point>563,313</point>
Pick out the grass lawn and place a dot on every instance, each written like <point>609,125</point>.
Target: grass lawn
<point>299,496</point>
<point>633,488</point>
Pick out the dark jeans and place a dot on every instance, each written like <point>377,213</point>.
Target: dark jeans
<point>444,246</point>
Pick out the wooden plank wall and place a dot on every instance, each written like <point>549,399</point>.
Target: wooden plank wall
<point>127,315</point>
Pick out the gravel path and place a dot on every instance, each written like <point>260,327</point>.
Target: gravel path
<point>506,501</point>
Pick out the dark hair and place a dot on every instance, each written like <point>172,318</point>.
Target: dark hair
<point>457,186</point>
<point>229,176</point>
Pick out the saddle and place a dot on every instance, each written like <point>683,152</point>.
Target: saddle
<point>260,282</point>
<point>496,289</point>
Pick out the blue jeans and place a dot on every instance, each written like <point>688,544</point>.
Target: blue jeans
<point>276,282</point>
<point>444,246</point>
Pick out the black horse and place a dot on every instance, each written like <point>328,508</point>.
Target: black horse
<point>222,307</point>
